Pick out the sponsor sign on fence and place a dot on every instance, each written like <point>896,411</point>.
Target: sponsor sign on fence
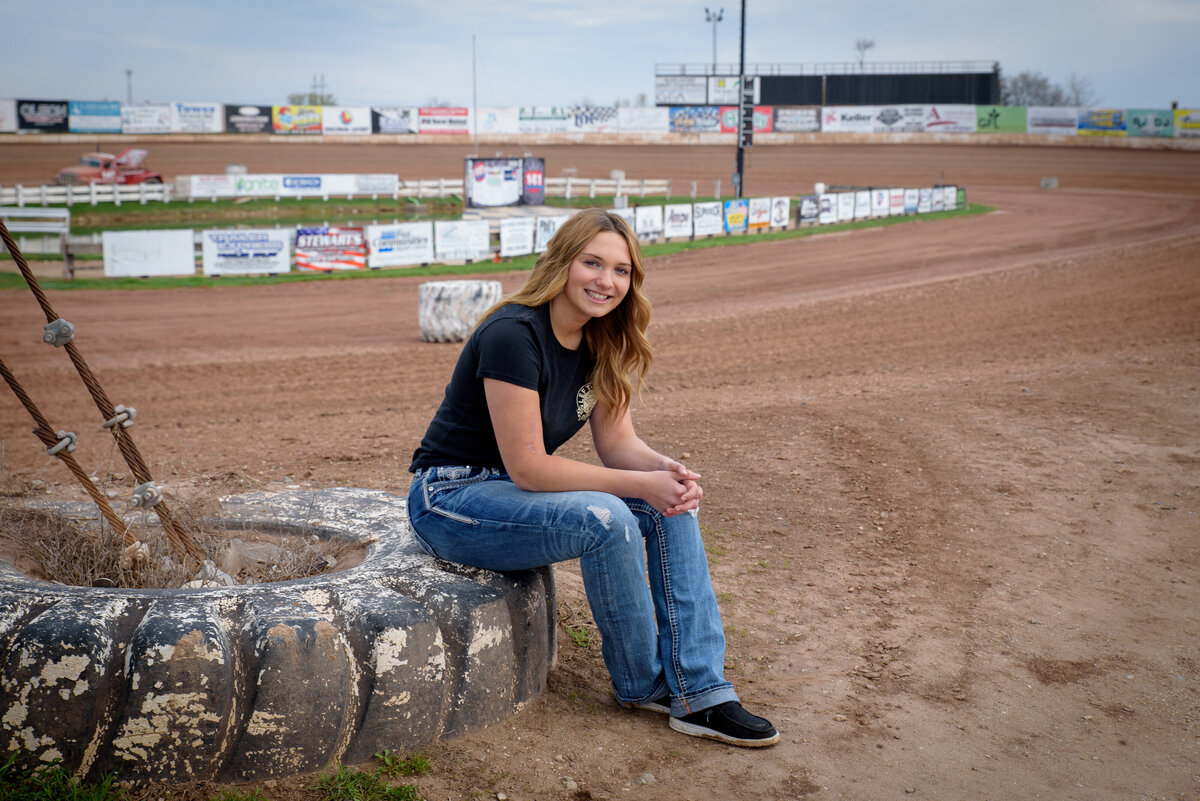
<point>1187,121</point>
<point>695,119</point>
<point>625,214</point>
<point>326,248</point>
<point>781,211</point>
<point>1150,122</point>
<point>45,116</point>
<point>862,204</point>
<point>296,119</point>
<point>1059,120</point>
<point>443,120</point>
<point>737,213</point>
<point>547,227</point>
<point>949,198</point>
<point>848,119</point>
<point>393,120</point>
<point>809,209</point>
<point>671,90</point>
<point>131,254</point>
<point>937,199</point>
<point>593,119</point>
<point>492,182</point>
<point>950,119</point>
<point>708,219</point>
<point>350,120</point>
<point>1000,119</point>
<point>8,116</point>
<point>925,200</point>
<point>544,119</point>
<point>895,202</point>
<point>726,91</point>
<point>797,120</point>
<point>534,180</point>
<point>644,120</point>
<point>677,220</point>
<point>154,118</point>
<point>86,116</point>
<point>912,201</point>
<point>516,236</point>
<point>399,244</point>
<point>881,202</point>
<point>763,117</point>
<point>648,221</point>
<point>827,212</point>
<point>198,117</point>
<point>1102,122</point>
<point>246,252</point>
<point>845,206</point>
<point>248,119</point>
<point>758,216</point>
<point>496,121</point>
<point>908,119</point>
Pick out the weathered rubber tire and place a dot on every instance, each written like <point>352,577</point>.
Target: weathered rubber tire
<point>272,680</point>
<point>448,310</point>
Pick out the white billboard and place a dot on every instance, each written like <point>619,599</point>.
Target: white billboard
<point>8,116</point>
<point>727,91</point>
<point>153,118</point>
<point>680,90</point>
<point>516,236</point>
<point>246,252</point>
<point>350,120</point>
<point>950,119</point>
<point>393,119</point>
<point>1061,120</point>
<point>197,118</point>
<point>644,120</point>
<point>759,215</point>
<point>845,206</point>
<point>593,119</point>
<point>848,119</point>
<point>895,202</point>
<point>829,205</point>
<point>925,200</point>
<point>795,120</point>
<point>399,244</point>
<point>648,221</point>
<point>881,202</point>
<point>950,195</point>
<point>496,121</point>
<point>461,240</point>
<point>900,118</point>
<point>781,212</point>
<point>708,219</point>
<point>677,220</point>
<point>144,253</point>
<point>547,227</point>
<point>544,119</point>
<point>862,204</point>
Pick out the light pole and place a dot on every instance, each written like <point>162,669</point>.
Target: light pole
<point>129,87</point>
<point>714,17</point>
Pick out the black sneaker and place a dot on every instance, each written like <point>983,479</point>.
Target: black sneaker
<point>660,704</point>
<point>729,723</point>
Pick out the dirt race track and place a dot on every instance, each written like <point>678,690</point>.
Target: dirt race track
<point>952,469</point>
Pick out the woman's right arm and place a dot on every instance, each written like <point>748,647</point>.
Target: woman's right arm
<point>517,421</point>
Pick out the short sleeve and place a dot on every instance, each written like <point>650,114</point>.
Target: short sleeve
<point>507,350</point>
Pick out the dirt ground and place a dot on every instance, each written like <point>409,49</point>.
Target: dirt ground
<point>951,469</point>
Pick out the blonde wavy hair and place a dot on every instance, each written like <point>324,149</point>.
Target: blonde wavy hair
<point>617,341</point>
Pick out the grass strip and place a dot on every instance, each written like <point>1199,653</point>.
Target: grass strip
<point>15,281</point>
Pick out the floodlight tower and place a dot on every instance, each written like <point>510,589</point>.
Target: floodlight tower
<point>714,17</point>
<point>746,112</point>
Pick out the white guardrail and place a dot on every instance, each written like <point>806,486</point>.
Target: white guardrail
<point>93,194</point>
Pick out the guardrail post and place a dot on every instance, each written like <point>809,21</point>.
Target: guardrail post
<point>44,201</point>
<point>668,190</point>
<point>693,191</point>
<point>20,196</point>
<point>593,189</point>
<point>568,195</point>
<point>92,192</point>
<point>441,187</point>
<point>643,188</point>
<point>142,193</point>
<point>617,189</point>
<point>116,193</point>
<point>717,189</point>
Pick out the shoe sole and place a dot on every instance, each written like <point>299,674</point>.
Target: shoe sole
<point>651,706</point>
<point>693,730</point>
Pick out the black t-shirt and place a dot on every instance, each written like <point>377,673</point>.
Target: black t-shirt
<point>518,346</point>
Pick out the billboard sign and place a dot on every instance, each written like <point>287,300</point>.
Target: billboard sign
<point>950,119</point>
<point>677,220</point>
<point>881,202</point>
<point>198,117</point>
<point>648,221</point>
<point>443,120</point>
<point>907,119</point>
<point>912,201</point>
<point>1187,122</point>
<point>544,119</point>
<point>1000,119</point>
<point>516,236</point>
<point>737,216</point>
<point>43,116</point>
<point>399,244</point>
<point>136,254</point>
<point>758,214</point>
<point>492,182</point>
<point>248,119</point>
<point>393,120</point>
<point>8,116</point>
<point>325,248</point>
<point>1059,120</point>
<point>781,211</point>
<point>848,119</point>
<point>827,208</point>
<point>497,120</point>
<point>1150,122</point>
<point>246,252</point>
<point>152,118</point>
<point>809,210</point>
<point>925,200</point>
<point>845,207</point>
<point>547,227</point>
<point>296,119</point>
<point>708,219</point>
<point>797,120</point>
<point>695,119</point>
<point>680,90</point>
<point>349,120</point>
<point>533,181</point>
<point>763,118</point>
<point>644,120</point>
<point>1102,122</point>
<point>593,119</point>
<point>87,116</point>
<point>895,202</point>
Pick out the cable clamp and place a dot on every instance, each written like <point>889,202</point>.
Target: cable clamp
<point>146,496</point>
<point>58,333</point>
<point>124,417</point>
<point>66,441</point>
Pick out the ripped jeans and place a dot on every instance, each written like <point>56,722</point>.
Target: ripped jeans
<point>664,634</point>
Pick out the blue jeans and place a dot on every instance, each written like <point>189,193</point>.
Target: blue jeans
<point>662,635</point>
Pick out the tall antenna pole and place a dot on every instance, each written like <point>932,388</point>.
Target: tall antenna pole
<point>742,134</point>
<point>474,104</point>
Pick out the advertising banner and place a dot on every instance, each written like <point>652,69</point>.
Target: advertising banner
<point>133,254</point>
<point>672,90</point>
<point>759,215</point>
<point>1000,119</point>
<point>828,205</point>
<point>1150,122</point>
<point>845,206</point>
<point>910,119</point>
<point>925,200</point>
<point>727,91</point>
<point>912,201</point>
<point>393,120</point>
<point>534,180</point>
<point>950,119</point>
<point>937,199</point>
<point>848,119</point>
<point>737,213</point>
<point>708,219</point>
<point>896,202</point>
<point>677,220</point>
<point>248,119</point>
<point>368,183</point>
<point>8,116</point>
<point>625,214</point>
<point>1059,120</point>
<point>1187,121</point>
<point>86,116</point>
<point>155,118</point>
<point>246,252</point>
<point>198,118</point>
<point>399,244</point>
<point>1102,122</point>
<point>497,121</point>
<point>695,119</point>
<point>862,204</point>
<point>950,198</point>
<point>443,120</point>
<point>350,120</point>
<point>881,202</point>
<point>781,211</point>
<point>325,248</point>
<point>797,120</point>
<point>644,120</point>
<point>205,186</point>
<point>593,119</point>
<point>809,210</point>
<point>648,221</point>
<point>763,117</point>
<point>492,182</point>
<point>296,119</point>
<point>544,119</point>
<point>547,227</point>
<point>516,236</point>
<point>45,116</point>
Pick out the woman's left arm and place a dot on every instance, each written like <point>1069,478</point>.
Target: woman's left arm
<point>619,446</point>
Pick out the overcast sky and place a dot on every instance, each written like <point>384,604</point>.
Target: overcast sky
<point>1135,53</point>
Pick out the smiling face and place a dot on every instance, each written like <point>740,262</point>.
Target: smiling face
<point>597,279</point>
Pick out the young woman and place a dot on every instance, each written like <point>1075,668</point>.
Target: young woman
<point>488,490</point>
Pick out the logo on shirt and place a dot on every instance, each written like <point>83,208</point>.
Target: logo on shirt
<point>585,401</point>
